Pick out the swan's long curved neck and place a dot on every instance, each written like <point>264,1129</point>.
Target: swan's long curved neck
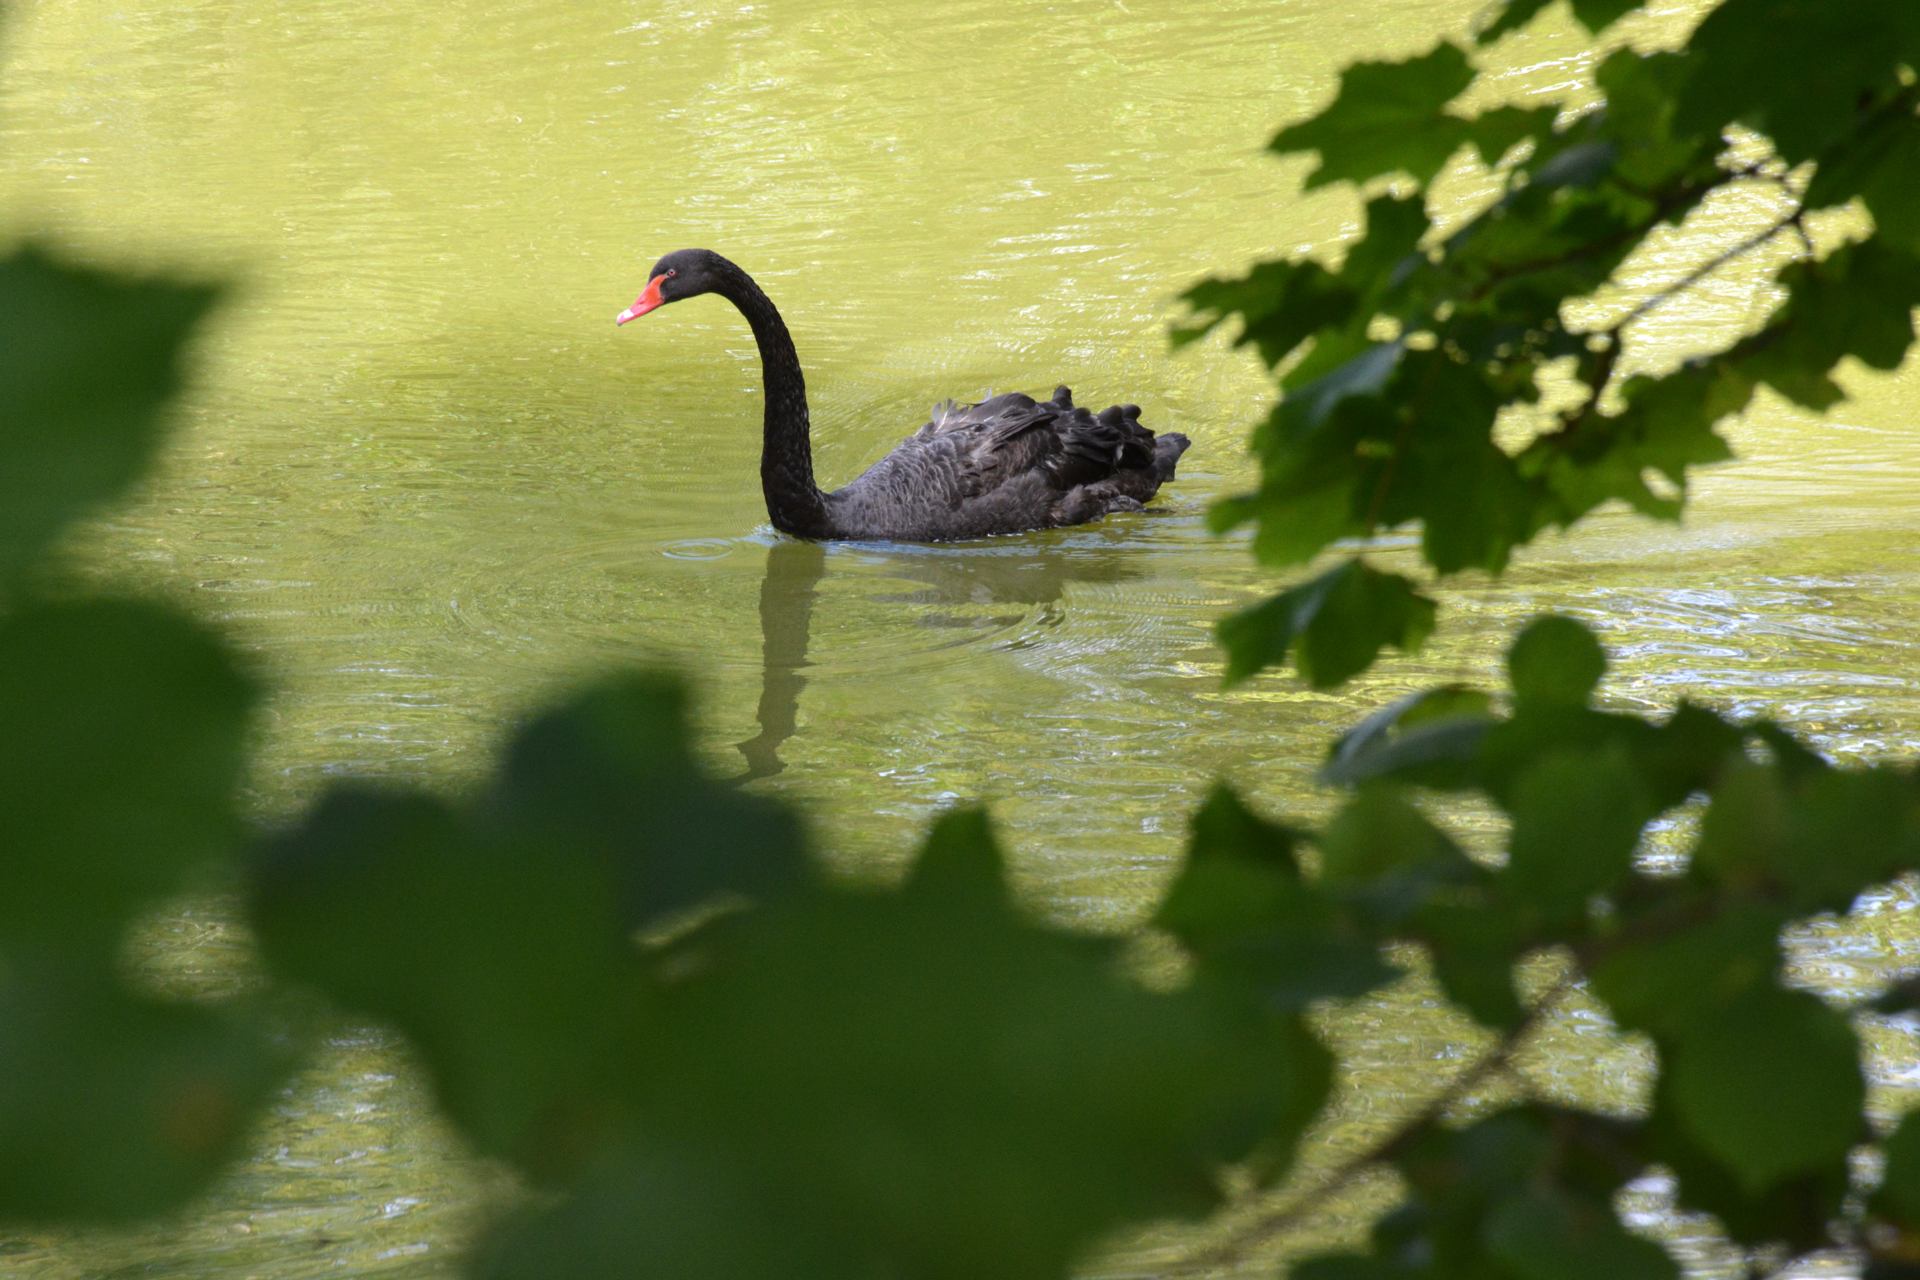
<point>794,501</point>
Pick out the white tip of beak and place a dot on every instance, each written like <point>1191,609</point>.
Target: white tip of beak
<point>624,316</point>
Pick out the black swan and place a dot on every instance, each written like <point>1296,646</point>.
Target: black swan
<point>1003,466</point>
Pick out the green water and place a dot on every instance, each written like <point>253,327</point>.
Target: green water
<point>425,482</point>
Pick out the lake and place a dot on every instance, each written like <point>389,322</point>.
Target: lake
<point>426,484</point>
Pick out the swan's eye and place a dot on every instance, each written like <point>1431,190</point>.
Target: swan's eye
<point>672,272</point>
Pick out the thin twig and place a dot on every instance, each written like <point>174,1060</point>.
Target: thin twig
<point>1708,267</point>
<point>1614,334</point>
<point>1284,1219</point>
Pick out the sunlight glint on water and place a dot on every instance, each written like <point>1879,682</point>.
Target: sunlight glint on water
<point>425,481</point>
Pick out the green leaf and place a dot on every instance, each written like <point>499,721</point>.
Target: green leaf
<point>1302,516</point>
<point>1474,945</point>
<point>1494,133</point>
<point>1382,853</point>
<point>909,1078</point>
<point>1898,1198</point>
<point>1857,301</point>
<point>1595,15</point>
<point>1877,165</point>
<point>1849,829</point>
<point>961,859</point>
<point>87,362</point>
<point>1555,661</point>
<point>125,725</point>
<point>1770,1085</point>
<point>1547,1234</point>
<point>1282,304</point>
<point>1749,64</point>
<point>1513,15</point>
<point>1240,906</point>
<point>1380,263</point>
<point>1561,1167</point>
<point>1388,116</point>
<point>1335,624</point>
<point>891,1083</point>
<point>1653,152</point>
<point>1686,755</point>
<point>571,779</point>
<point>1238,867</point>
<point>114,1106</point>
<point>1429,737</point>
<point>1817,839</point>
<point>1305,409</point>
<point>1794,1212</point>
<point>507,965</point>
<point>1577,818</point>
<point>686,1213</point>
<point>1667,426</point>
<point>1744,830</point>
<point>1450,475</point>
<point>1674,979</point>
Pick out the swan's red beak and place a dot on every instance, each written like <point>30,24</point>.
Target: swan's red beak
<point>647,301</point>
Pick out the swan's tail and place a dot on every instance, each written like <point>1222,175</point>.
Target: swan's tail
<point>1167,448</point>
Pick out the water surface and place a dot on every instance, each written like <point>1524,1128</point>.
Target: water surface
<point>426,483</point>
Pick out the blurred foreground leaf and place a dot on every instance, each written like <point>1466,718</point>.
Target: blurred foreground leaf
<point>917,1081</point>
<point>87,364</point>
<point>125,727</point>
<point>114,1106</point>
<point>1335,624</point>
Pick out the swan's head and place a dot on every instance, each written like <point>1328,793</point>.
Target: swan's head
<point>680,274</point>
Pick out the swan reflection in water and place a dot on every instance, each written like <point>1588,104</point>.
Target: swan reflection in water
<point>787,593</point>
<point>946,578</point>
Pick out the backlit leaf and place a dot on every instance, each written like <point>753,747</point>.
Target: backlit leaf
<point>609,771</point>
<point>912,1076</point>
<point>1595,15</point>
<point>1240,906</point>
<point>1673,979</point>
<point>1383,854</point>
<point>507,966</point>
<point>1794,1211</point>
<point>1748,64</point>
<point>1878,166</point>
<point>1858,301</point>
<point>1335,625</point>
<point>1388,116</point>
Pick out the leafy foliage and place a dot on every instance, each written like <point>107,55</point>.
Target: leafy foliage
<point>1337,622</point>
<point>88,362</point>
<point>1761,1092</point>
<point>709,1056</point>
<point>1403,371</point>
<point>125,728</point>
<point>888,1077</point>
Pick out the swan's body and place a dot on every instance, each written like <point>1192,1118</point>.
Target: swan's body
<point>1006,465</point>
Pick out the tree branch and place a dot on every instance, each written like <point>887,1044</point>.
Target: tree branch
<point>1793,219</point>
<point>1492,1063</point>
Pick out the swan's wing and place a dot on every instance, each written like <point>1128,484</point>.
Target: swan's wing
<point>1011,436</point>
<point>982,446</point>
